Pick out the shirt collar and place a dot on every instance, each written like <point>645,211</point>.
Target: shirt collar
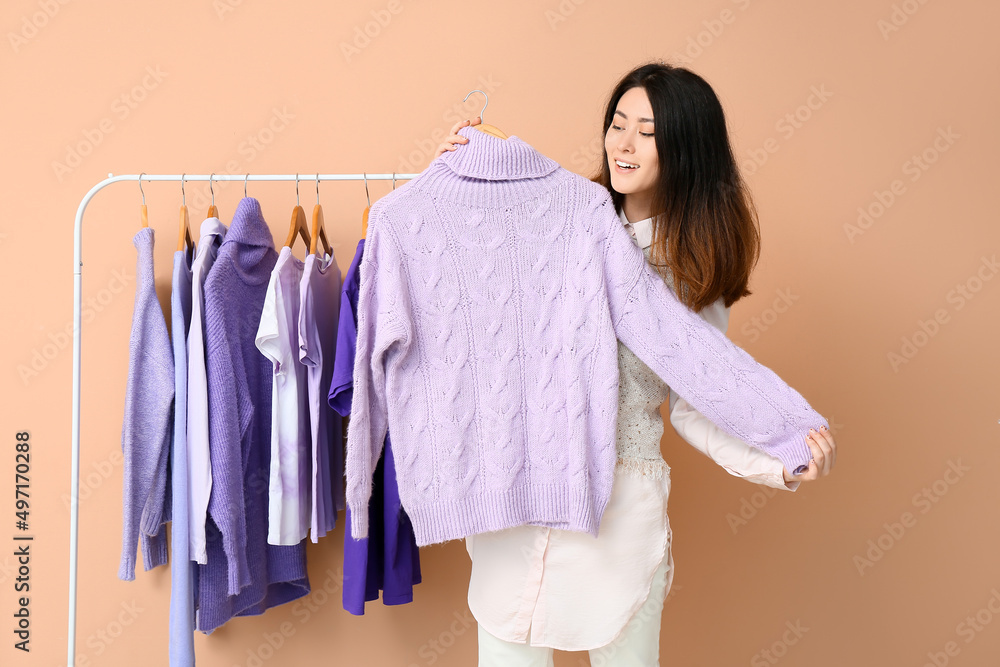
<point>641,230</point>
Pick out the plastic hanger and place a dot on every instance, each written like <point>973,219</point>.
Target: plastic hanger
<point>364,216</point>
<point>298,225</point>
<point>145,213</point>
<point>483,126</point>
<point>184,234</point>
<point>213,212</point>
<point>318,227</point>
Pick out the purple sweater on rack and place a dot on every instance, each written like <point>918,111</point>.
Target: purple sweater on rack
<point>244,575</point>
<point>146,428</point>
<point>493,287</point>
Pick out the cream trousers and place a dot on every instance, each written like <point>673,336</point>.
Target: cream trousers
<point>638,645</point>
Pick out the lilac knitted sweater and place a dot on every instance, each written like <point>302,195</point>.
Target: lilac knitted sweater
<point>244,575</point>
<point>493,287</point>
<point>149,401</point>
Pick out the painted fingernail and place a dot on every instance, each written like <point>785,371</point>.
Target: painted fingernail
<point>812,430</point>
<point>824,428</point>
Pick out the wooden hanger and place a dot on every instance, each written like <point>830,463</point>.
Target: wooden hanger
<point>145,213</point>
<point>212,211</point>
<point>298,225</point>
<point>318,228</point>
<point>485,127</point>
<point>364,216</point>
<point>184,234</point>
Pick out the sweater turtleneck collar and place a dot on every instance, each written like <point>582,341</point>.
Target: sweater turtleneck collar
<point>490,158</point>
<point>249,227</point>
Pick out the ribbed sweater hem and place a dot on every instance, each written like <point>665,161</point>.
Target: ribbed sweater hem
<point>564,506</point>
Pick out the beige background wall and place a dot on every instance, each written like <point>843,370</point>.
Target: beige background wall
<point>124,87</point>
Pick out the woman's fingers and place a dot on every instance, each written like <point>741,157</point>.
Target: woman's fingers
<point>820,444</point>
<point>452,140</point>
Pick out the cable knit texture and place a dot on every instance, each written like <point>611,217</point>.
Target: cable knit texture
<point>146,427</point>
<point>493,286</point>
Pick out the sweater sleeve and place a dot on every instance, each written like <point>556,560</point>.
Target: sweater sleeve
<point>384,333</point>
<point>227,406</point>
<point>734,456</point>
<point>719,379</point>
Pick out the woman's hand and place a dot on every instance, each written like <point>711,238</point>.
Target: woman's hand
<point>451,142</point>
<point>824,451</point>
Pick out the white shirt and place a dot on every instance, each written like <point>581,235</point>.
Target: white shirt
<point>572,591</point>
<point>198,459</point>
<point>289,481</point>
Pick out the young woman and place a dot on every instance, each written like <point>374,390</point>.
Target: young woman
<point>673,178</point>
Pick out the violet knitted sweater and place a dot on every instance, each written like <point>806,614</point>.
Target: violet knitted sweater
<point>146,427</point>
<point>493,287</point>
<point>244,575</point>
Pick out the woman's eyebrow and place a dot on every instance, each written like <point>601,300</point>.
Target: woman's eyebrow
<point>641,120</point>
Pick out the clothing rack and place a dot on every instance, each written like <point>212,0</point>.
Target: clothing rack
<point>77,310</point>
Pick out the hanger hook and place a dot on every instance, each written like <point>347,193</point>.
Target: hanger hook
<point>183,196</point>
<point>317,189</point>
<point>211,189</point>
<point>296,188</point>
<point>245,179</point>
<point>366,189</point>
<point>140,188</point>
<point>393,180</point>
<point>484,105</point>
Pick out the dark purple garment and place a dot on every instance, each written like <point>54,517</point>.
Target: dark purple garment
<point>390,548</point>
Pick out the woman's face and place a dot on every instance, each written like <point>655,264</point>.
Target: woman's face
<point>630,141</point>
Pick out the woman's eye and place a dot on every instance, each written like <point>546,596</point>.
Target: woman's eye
<point>646,134</point>
<point>615,127</point>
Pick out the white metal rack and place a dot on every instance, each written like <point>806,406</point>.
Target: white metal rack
<point>77,309</point>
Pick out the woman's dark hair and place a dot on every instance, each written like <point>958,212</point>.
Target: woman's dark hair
<point>705,230</point>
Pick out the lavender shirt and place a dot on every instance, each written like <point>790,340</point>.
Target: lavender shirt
<point>319,292</point>
<point>388,558</point>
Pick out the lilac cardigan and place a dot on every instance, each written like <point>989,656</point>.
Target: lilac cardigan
<point>493,287</point>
